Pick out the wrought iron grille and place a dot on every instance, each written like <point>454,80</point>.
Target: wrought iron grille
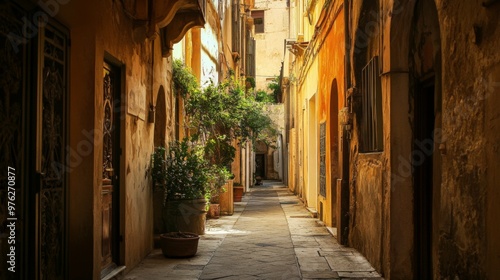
<point>371,125</point>
<point>52,99</point>
<point>322,159</point>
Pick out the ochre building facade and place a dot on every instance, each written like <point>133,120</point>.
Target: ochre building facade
<point>400,114</point>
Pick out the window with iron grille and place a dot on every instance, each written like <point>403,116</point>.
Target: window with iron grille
<point>322,159</point>
<point>258,21</point>
<point>371,125</point>
<point>235,28</point>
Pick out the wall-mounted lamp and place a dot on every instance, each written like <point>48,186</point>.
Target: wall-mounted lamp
<point>345,119</point>
<point>151,114</point>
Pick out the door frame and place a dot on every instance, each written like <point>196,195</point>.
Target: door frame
<point>117,137</point>
<point>423,177</point>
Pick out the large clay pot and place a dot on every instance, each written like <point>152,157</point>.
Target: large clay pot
<point>158,199</point>
<point>179,244</point>
<point>238,193</point>
<point>185,215</point>
<point>214,211</point>
<point>226,199</point>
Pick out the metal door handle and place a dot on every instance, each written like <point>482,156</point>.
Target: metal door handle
<point>110,171</point>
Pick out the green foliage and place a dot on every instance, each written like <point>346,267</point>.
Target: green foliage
<point>222,114</point>
<point>272,95</point>
<point>184,173</point>
<point>184,80</point>
<point>158,164</point>
<point>274,87</point>
<point>263,96</point>
<point>187,172</point>
<point>219,116</point>
<point>218,178</point>
<point>250,82</point>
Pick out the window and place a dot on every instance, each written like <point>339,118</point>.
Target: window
<point>258,21</point>
<point>235,28</point>
<point>371,126</point>
<point>322,159</point>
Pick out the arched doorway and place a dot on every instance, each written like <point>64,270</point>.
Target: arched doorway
<point>261,150</point>
<point>425,83</point>
<point>160,118</point>
<point>334,147</point>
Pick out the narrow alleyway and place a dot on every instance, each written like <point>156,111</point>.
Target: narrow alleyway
<point>271,236</point>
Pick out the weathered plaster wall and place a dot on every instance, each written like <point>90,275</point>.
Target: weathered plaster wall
<point>464,242</point>
<point>492,152</point>
<point>366,213</point>
<point>469,92</point>
<point>270,44</point>
<point>398,193</point>
<point>277,114</point>
<point>367,170</point>
<point>106,33</point>
<point>307,94</point>
<point>331,95</point>
<point>210,47</point>
<point>295,99</point>
<point>82,182</point>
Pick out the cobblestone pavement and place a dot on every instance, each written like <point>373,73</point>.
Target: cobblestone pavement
<point>270,236</point>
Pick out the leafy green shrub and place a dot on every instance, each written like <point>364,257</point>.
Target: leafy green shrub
<point>184,80</point>
<point>263,96</point>
<point>221,115</point>
<point>158,164</point>
<point>187,172</point>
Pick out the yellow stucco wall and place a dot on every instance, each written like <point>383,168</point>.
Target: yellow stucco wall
<point>319,96</point>
<point>331,99</point>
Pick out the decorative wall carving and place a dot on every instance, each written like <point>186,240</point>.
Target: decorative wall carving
<point>107,161</point>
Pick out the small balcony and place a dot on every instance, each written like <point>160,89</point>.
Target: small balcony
<point>170,19</point>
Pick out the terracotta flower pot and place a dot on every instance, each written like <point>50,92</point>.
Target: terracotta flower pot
<point>179,244</point>
<point>214,211</point>
<point>226,200</point>
<point>238,193</point>
<point>185,215</point>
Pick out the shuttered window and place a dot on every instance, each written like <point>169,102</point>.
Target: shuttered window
<point>258,21</point>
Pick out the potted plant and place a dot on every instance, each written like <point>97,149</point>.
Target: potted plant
<point>237,192</point>
<point>222,117</point>
<point>258,180</point>
<point>218,177</point>
<point>179,244</point>
<point>226,199</point>
<point>214,208</point>
<point>158,164</point>
<point>186,189</point>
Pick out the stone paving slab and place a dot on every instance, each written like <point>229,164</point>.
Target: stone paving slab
<point>313,243</point>
<point>320,275</point>
<point>270,236</point>
<point>265,251</point>
<point>156,266</point>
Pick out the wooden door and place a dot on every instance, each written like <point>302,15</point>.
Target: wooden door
<point>110,167</point>
<point>33,144</point>
<point>260,165</point>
